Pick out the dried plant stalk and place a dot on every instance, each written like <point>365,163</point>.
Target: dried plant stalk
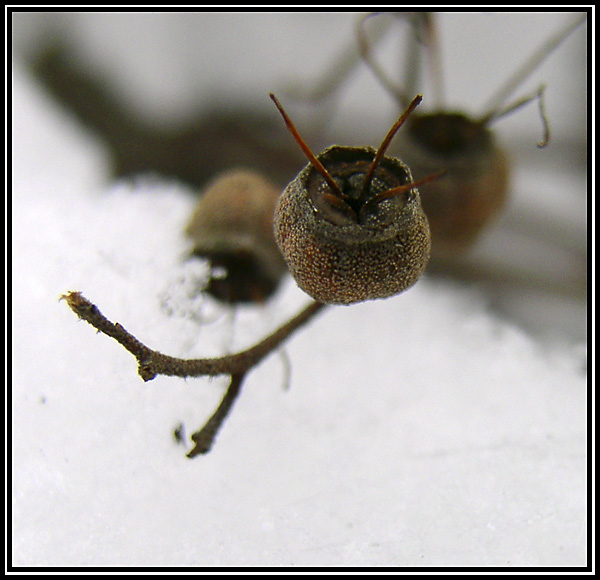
<point>152,363</point>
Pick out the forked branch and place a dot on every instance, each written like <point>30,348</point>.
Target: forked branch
<point>152,362</point>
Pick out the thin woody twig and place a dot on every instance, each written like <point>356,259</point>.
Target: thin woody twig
<point>204,438</point>
<point>152,362</point>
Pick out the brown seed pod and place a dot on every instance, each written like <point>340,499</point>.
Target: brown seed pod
<point>476,186</point>
<point>350,226</point>
<point>232,226</point>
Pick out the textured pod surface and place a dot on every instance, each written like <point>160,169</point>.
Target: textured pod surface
<point>378,255</point>
<point>475,187</point>
<point>232,226</point>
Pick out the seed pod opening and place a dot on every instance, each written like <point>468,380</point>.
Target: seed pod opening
<point>361,246</point>
<point>232,226</point>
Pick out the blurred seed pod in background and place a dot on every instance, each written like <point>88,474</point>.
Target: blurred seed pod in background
<point>475,187</point>
<point>232,226</point>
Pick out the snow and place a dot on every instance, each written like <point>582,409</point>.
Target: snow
<point>425,430</point>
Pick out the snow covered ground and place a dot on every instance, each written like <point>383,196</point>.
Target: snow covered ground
<point>431,429</point>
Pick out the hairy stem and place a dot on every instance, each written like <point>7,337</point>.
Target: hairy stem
<point>152,362</point>
<point>204,438</point>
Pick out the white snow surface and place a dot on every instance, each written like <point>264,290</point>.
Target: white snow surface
<point>422,430</point>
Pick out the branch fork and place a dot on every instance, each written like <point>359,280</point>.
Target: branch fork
<point>152,363</point>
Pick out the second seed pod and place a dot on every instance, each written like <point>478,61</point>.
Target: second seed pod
<point>475,187</point>
<point>232,226</point>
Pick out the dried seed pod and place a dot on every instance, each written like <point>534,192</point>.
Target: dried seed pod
<point>350,226</point>
<point>232,226</point>
<point>475,188</point>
